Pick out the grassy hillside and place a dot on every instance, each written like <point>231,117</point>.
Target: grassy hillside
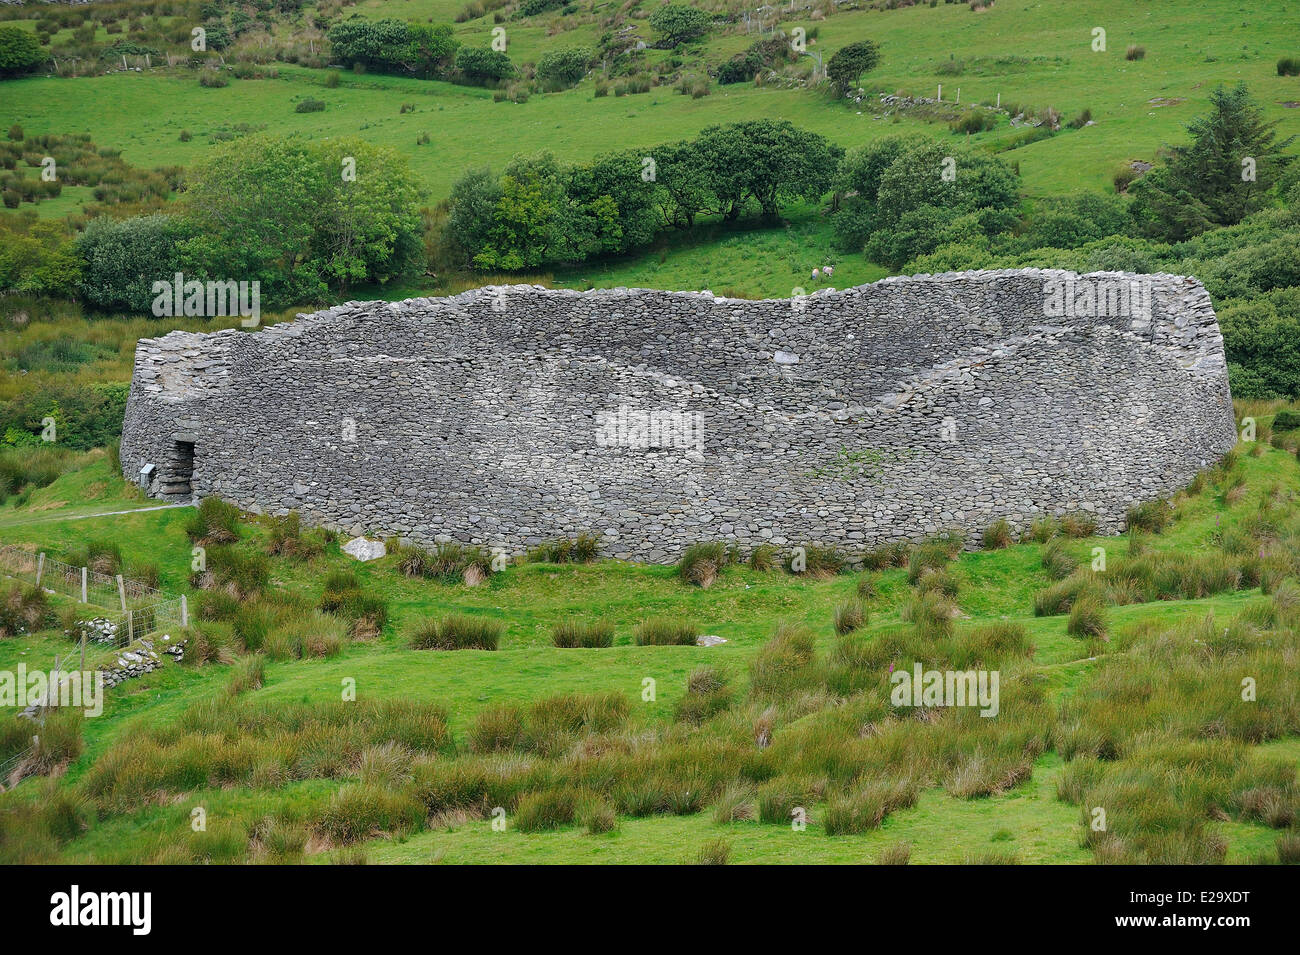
<point>1031,52</point>
<point>656,772</point>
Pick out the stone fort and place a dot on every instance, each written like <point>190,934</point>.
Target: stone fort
<point>508,416</point>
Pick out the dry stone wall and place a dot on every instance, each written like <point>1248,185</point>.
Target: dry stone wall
<point>511,415</point>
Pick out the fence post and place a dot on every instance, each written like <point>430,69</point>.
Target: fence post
<point>121,591</point>
<point>130,627</point>
<point>40,567</point>
<point>185,612</point>
<point>84,594</point>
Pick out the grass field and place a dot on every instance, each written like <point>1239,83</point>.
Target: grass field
<point>1027,819</point>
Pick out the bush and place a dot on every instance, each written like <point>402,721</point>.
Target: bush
<point>575,634</point>
<point>457,632</point>
<point>1286,420</point>
<point>1078,525</point>
<point>1288,66</point>
<point>708,692</point>
<point>677,23</point>
<point>19,53</point>
<point>212,79</point>
<point>849,62</point>
<point>309,105</point>
<point>665,632</point>
<point>122,258</point>
<point>483,66</point>
<point>560,69</point>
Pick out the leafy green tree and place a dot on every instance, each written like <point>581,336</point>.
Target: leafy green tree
<point>381,45</point>
<point>288,213</point>
<point>612,201</point>
<point>1262,340</point>
<point>1225,173</point>
<point>19,52</point>
<point>529,220</point>
<point>37,256</point>
<point>848,64</point>
<point>682,184</point>
<point>472,215</point>
<point>765,161</point>
<point>677,24</point>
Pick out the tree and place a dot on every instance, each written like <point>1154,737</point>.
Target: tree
<point>529,222</point>
<point>383,45</point>
<point>473,203</point>
<point>850,62</point>
<point>1225,173</point>
<point>766,161</point>
<point>289,214</point>
<point>19,52</point>
<point>613,203</point>
<point>678,24</point>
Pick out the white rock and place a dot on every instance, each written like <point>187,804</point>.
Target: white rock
<point>363,549</point>
<point>708,640</point>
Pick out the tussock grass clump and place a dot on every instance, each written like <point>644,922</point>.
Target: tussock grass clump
<point>944,582</point>
<point>886,556</point>
<point>850,616</point>
<point>582,549</point>
<point>214,521</point>
<point>708,692</point>
<point>1060,596</point>
<point>362,810</point>
<point>987,774</point>
<point>554,724</point>
<point>714,852</point>
<point>900,853</point>
<point>778,799</point>
<point>1150,516</point>
<point>1078,525</point>
<point>763,557</point>
<point>310,633</point>
<point>666,632</point>
<point>99,556</point>
<point>933,554</point>
<point>449,562</point>
<point>1058,562</point>
<point>991,857</point>
<point>820,562</point>
<point>343,597</point>
<point>1042,530</point>
<point>57,743</point>
<point>243,574</point>
<point>596,815</point>
<point>931,613</point>
<point>866,807</point>
<point>785,663</point>
<point>583,634</point>
<point>867,587</point>
<point>457,632</point>
<point>547,809</point>
<point>1087,617</point>
<point>1288,844</point>
<point>735,804</point>
<point>702,563</point>
<point>23,609</point>
<point>497,728</point>
<point>1135,52</point>
<point>248,674</point>
<point>997,535</point>
<point>287,539</point>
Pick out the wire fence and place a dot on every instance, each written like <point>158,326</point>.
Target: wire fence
<point>125,609</point>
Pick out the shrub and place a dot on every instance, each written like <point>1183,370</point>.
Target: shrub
<point>678,23</point>
<point>1043,530</point>
<point>242,574</point>
<point>309,105</point>
<point>560,69</point>
<point>483,65</point>
<point>998,535</point>
<point>1286,420</point>
<point>286,539</point>
<point>849,616</point>
<point>849,62</point>
<point>823,562</point>
<point>574,634</point>
<point>457,632</point>
<point>19,53</point>
<point>886,556</point>
<point>212,79</point>
<point>778,800</point>
<point>666,631</point>
<point>1060,596</point>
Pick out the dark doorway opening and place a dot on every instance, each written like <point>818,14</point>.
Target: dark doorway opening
<point>178,470</point>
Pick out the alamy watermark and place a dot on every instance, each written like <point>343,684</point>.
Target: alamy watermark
<point>75,688</point>
<point>1097,298</point>
<point>919,687</point>
<point>211,299</point>
<point>630,428</point>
